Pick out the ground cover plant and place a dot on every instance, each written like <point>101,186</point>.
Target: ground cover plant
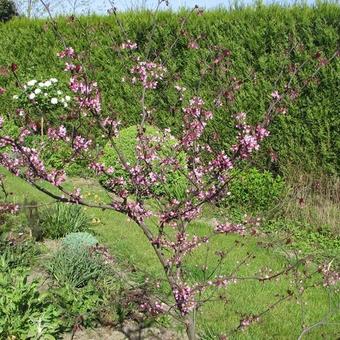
<point>194,261</point>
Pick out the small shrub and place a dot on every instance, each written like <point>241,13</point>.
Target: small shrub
<point>254,191</point>
<point>176,183</point>
<point>8,10</point>
<point>15,255</point>
<point>24,312</point>
<point>54,154</point>
<point>62,220</point>
<point>78,306</point>
<point>79,240</point>
<point>75,267</point>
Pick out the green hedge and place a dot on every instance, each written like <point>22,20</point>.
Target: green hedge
<point>258,38</point>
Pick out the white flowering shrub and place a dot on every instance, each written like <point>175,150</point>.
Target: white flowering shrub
<point>43,97</point>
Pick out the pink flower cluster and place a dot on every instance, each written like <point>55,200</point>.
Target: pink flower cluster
<point>8,208</point>
<point>187,212</point>
<point>81,144</point>
<point>134,210</point>
<point>153,308</point>
<point>25,161</point>
<point>180,247</point>
<point>67,52</point>
<point>73,68</point>
<point>148,73</point>
<point>56,177</point>
<point>59,133</point>
<point>248,138</point>
<point>220,163</point>
<point>195,121</point>
<point>247,321</point>
<point>275,95</point>
<point>111,126</point>
<point>88,94</point>
<point>184,297</point>
<point>129,45</point>
<point>227,228</point>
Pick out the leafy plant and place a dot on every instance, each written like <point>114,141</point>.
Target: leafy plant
<point>24,312</point>
<point>62,220</point>
<point>79,306</point>
<point>254,191</point>
<point>75,267</point>
<point>8,10</point>
<point>43,97</point>
<point>15,255</point>
<point>323,244</point>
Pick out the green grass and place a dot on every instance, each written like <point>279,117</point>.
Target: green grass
<point>285,321</point>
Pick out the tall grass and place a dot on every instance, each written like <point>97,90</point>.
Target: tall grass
<point>313,199</point>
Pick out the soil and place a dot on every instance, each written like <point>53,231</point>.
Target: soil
<point>129,331</point>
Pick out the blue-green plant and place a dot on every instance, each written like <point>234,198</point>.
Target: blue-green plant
<point>79,240</point>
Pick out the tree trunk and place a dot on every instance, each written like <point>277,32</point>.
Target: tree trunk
<point>42,128</point>
<point>190,327</point>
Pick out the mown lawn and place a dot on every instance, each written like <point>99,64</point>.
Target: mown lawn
<point>247,297</point>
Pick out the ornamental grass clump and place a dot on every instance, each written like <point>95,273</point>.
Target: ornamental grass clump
<point>63,219</point>
<point>76,264</point>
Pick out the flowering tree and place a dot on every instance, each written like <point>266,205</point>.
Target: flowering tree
<point>207,170</point>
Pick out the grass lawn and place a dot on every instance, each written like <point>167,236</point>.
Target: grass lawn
<point>221,316</point>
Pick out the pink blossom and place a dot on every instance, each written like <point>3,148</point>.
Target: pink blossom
<point>137,211</point>
<point>8,208</point>
<point>59,133</point>
<point>81,144</point>
<point>2,90</point>
<point>193,45</point>
<point>247,321</point>
<point>275,95</point>
<point>184,296</point>
<point>129,45</point>
<point>56,177</point>
<point>153,308</point>
<point>195,121</point>
<point>68,52</point>
<point>220,163</point>
<point>227,228</point>
<point>76,195</point>
<point>148,73</point>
